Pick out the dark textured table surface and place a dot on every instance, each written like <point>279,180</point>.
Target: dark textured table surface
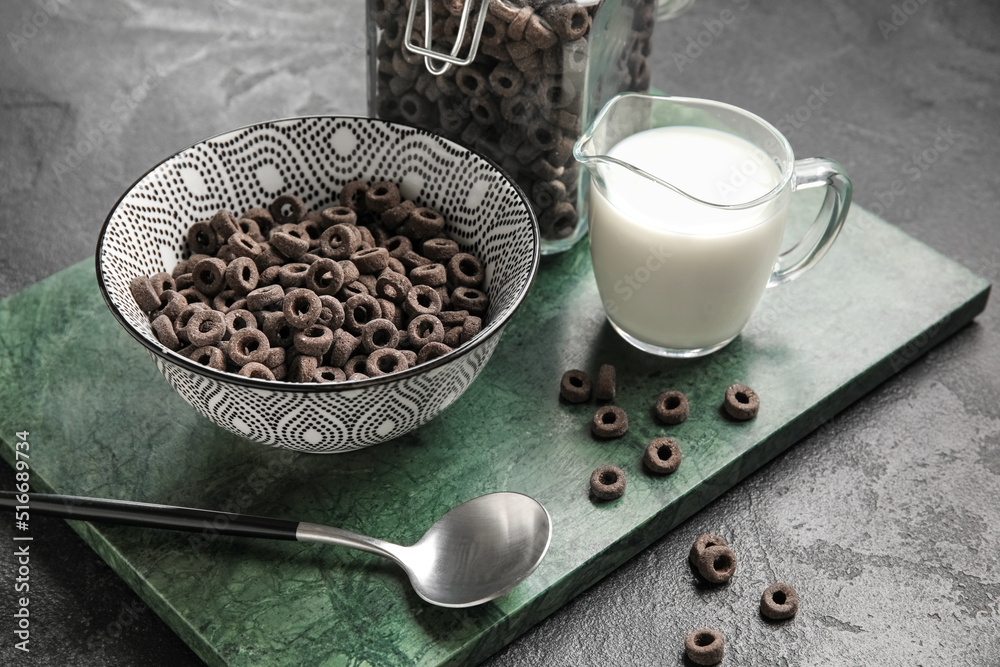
<point>887,519</point>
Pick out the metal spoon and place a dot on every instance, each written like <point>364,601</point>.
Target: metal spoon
<point>477,552</point>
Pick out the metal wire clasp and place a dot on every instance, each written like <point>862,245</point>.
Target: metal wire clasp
<point>438,63</point>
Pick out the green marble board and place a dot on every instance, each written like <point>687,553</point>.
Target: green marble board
<point>104,423</point>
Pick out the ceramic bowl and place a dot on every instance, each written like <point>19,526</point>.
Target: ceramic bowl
<point>314,157</point>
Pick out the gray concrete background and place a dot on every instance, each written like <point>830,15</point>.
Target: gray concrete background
<point>887,519</point>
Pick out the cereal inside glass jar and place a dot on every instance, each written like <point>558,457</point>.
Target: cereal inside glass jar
<point>521,93</point>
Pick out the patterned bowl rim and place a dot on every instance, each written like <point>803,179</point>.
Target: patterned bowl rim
<point>492,329</point>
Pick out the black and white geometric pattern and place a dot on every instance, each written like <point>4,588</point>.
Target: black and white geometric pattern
<point>314,157</point>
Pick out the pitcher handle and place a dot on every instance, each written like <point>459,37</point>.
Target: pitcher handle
<point>811,173</point>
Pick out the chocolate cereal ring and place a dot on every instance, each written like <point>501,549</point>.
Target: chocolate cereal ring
<point>384,361</point>
<point>209,276</point>
<point>575,386</point>
<point>609,421</point>
<point>324,277</point>
<point>314,341</point>
<point>163,327</point>
<point>470,327</point>
<point>439,250</point>
<point>290,245</point>
<point>202,239</point>
<point>422,300</point>
<point>205,327</point>
<point>350,271</point>
<point>303,367</point>
<point>227,299</point>
<point>352,194</point>
<point>343,347</point>
<point>287,209</point>
<point>607,482</point>
<point>453,318</point>
<point>256,370</point>
<point>704,541</point>
<point>779,601</point>
<point>278,331</point>
<point>470,299</point>
<point>672,407</point>
<point>239,318</point>
<point>465,270</point>
<point>379,333</point>
<point>359,311</point>
<point>413,259</point>
<point>397,215</point>
<point>371,260</point>
<point>332,313</point>
<point>717,564</point>
<point>453,337</point>
<point>705,646</point>
<point>145,296</point>
<point>244,245</point>
<point>171,304</point>
<point>161,282</point>
<point>424,329</point>
<point>248,345</point>
<point>425,222</point>
<point>382,196</point>
<point>210,356</point>
<point>301,308</point>
<point>337,215</point>
<point>741,403</point>
<point>340,241</point>
<point>242,275</point>
<point>604,389</point>
<point>293,275</point>
<point>262,297</point>
<point>328,374</point>
<point>663,456</point>
<point>356,364</point>
<point>431,351</point>
<point>193,295</point>
<point>433,275</point>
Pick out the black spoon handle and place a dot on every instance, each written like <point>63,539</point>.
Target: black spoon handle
<point>149,515</point>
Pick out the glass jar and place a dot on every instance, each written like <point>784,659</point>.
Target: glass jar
<point>517,80</point>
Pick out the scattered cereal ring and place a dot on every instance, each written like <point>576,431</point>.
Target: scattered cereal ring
<point>470,327</point>
<point>705,646</point>
<point>704,541</point>
<point>293,275</point>
<point>276,328</point>
<point>392,286</point>
<point>337,215</point>
<point>303,368</point>
<point>672,407</point>
<point>289,245</point>
<point>604,389</point>
<point>742,402</point>
<point>397,215</point>
<point>609,421</point>
<point>161,282</point>
<point>607,482</point>
<point>209,276</point>
<point>171,304</point>
<point>343,347</point>
<point>779,601</point>
<point>575,386</point>
<point>663,456</point>
<point>717,564</point>
<point>425,222</point>
<point>453,318</point>
<point>332,313</point>
<point>352,195</point>
<point>244,245</point>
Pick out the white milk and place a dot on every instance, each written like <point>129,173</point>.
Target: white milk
<point>672,272</point>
